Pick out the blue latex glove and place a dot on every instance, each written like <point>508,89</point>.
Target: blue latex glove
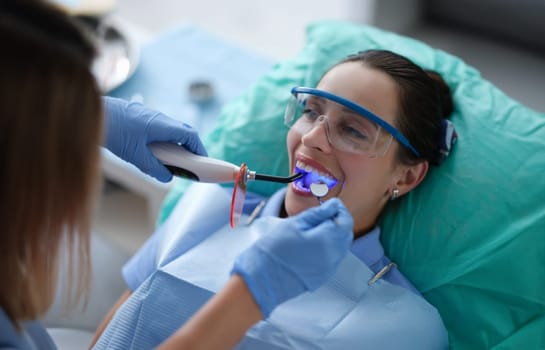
<point>130,127</point>
<point>298,255</point>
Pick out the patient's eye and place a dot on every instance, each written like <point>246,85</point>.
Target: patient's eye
<point>356,130</point>
<point>313,109</point>
<point>353,132</point>
<point>311,114</point>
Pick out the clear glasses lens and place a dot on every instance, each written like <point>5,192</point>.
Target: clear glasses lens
<point>347,130</point>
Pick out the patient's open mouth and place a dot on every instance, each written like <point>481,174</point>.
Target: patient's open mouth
<point>311,175</point>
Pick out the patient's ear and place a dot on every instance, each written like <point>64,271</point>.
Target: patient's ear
<point>410,176</point>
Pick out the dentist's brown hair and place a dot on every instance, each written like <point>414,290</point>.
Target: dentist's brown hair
<point>50,132</point>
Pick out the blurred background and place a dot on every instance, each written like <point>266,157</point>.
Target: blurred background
<point>503,39</point>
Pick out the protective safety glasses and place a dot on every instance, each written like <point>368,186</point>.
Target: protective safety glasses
<point>349,127</point>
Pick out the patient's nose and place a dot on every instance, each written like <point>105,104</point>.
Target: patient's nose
<point>318,135</point>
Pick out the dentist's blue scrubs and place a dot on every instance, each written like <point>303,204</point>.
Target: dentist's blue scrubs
<point>31,336</point>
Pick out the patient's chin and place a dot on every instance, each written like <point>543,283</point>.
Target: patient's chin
<point>294,203</point>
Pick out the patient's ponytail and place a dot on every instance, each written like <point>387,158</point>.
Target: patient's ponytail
<point>447,136</point>
<point>445,97</point>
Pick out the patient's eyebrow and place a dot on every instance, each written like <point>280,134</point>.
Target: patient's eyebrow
<point>350,111</point>
<point>316,99</point>
<point>353,112</point>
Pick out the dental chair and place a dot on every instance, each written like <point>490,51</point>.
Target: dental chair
<point>471,237</point>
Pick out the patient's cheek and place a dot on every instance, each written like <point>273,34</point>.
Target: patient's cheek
<point>292,140</point>
<point>293,203</point>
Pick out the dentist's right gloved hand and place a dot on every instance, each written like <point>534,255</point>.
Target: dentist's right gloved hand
<point>296,256</point>
<point>131,127</point>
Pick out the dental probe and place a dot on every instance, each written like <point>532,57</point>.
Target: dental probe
<point>183,163</point>
<point>320,190</point>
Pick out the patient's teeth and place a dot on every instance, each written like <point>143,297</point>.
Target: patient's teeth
<point>309,169</point>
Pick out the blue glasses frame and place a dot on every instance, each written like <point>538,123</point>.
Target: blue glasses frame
<point>361,110</point>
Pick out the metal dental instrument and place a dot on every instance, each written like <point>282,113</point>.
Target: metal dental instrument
<point>256,212</point>
<point>381,273</point>
<point>320,190</point>
<point>188,165</point>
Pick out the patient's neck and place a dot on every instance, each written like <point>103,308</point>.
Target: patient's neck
<point>283,213</point>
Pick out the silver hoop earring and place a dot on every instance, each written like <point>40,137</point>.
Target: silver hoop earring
<point>395,194</point>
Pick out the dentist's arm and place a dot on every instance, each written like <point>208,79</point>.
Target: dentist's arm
<point>221,322</point>
<point>130,127</point>
<point>298,255</point>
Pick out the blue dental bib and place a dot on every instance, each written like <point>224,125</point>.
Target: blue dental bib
<point>345,313</point>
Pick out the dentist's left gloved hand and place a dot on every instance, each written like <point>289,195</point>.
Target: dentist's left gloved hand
<point>298,254</point>
<point>130,127</point>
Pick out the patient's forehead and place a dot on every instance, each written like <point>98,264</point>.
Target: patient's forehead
<point>366,86</point>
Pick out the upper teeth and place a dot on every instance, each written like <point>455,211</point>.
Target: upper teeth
<point>310,169</point>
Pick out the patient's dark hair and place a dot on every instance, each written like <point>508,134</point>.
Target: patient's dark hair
<point>50,132</point>
<point>425,100</point>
